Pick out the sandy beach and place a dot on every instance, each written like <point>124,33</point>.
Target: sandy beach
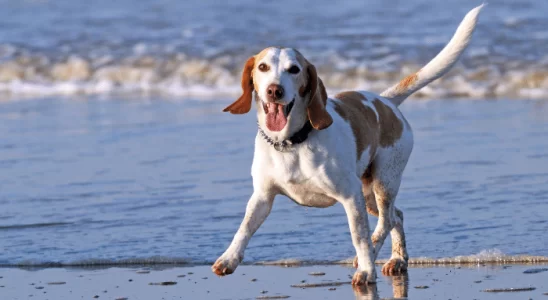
<point>274,282</point>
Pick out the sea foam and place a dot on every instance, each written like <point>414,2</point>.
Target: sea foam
<point>184,76</point>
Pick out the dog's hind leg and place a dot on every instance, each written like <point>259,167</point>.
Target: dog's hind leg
<point>386,176</point>
<point>398,261</point>
<point>385,195</point>
<point>390,221</point>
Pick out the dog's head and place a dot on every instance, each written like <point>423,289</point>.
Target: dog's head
<point>287,90</point>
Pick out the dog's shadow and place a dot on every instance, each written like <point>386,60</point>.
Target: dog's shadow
<point>400,285</point>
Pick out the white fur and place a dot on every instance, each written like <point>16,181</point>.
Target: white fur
<point>325,169</point>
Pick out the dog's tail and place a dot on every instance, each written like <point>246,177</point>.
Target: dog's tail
<point>438,66</point>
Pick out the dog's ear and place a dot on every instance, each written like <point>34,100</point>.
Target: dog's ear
<point>317,114</point>
<point>243,104</point>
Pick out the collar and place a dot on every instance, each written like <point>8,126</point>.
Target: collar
<point>297,138</point>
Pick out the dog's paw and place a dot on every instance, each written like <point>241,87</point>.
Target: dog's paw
<point>395,266</point>
<point>225,266</point>
<point>361,278</point>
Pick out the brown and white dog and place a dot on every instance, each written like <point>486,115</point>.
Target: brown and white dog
<point>351,149</point>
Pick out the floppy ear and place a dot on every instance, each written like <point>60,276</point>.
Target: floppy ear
<point>243,104</point>
<point>318,116</point>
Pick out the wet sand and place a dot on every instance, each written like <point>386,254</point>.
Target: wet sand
<point>274,282</point>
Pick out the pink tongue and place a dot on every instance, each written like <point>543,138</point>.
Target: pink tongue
<point>275,118</point>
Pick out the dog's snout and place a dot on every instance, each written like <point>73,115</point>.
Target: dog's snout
<point>275,92</point>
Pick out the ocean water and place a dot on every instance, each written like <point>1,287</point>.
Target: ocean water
<point>88,181</point>
<point>114,149</point>
<point>173,48</point>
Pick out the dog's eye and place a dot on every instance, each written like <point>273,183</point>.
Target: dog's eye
<point>293,70</point>
<point>263,67</point>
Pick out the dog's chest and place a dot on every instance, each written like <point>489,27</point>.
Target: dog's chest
<point>308,195</point>
<point>300,176</point>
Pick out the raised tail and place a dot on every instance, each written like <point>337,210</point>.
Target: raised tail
<point>438,66</point>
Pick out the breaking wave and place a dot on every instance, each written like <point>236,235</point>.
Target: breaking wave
<point>485,257</point>
<point>182,75</point>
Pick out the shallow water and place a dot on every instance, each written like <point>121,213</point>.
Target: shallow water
<point>198,48</point>
<point>155,180</point>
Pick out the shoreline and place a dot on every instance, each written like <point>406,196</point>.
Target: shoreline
<point>484,258</point>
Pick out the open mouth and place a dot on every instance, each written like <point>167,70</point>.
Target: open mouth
<point>286,108</point>
<point>276,114</point>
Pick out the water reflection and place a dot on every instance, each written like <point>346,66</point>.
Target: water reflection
<point>400,285</point>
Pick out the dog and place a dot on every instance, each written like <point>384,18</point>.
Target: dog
<point>350,149</point>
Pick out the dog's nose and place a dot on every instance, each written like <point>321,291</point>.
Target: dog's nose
<point>275,92</point>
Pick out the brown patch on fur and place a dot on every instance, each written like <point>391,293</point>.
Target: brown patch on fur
<point>374,239</point>
<point>258,58</point>
<point>407,82</point>
<point>362,119</point>
<point>302,91</point>
<point>371,204</point>
<point>322,91</point>
<point>399,247</point>
<point>317,114</point>
<point>262,54</point>
<point>367,177</point>
<point>391,127</point>
<point>243,104</point>
<point>370,201</point>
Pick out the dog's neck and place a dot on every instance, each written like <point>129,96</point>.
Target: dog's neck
<point>285,145</point>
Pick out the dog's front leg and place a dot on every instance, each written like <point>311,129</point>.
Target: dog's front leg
<point>258,208</point>
<point>354,207</point>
